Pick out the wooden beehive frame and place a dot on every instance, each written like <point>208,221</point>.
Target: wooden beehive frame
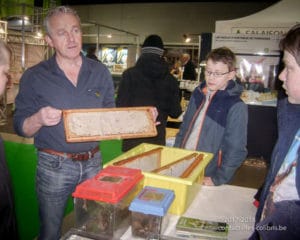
<point>181,168</point>
<point>146,161</point>
<point>82,125</point>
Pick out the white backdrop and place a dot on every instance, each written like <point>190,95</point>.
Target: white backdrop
<point>275,20</point>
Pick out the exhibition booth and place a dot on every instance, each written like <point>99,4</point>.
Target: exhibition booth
<point>254,39</point>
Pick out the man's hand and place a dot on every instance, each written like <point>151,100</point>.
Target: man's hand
<point>46,116</point>
<point>155,115</point>
<point>49,116</point>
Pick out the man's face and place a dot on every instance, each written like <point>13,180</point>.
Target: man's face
<point>65,36</point>
<point>290,76</point>
<point>217,75</point>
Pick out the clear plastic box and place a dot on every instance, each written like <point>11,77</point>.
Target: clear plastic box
<point>101,203</point>
<point>176,169</point>
<point>149,211</point>
<point>76,234</point>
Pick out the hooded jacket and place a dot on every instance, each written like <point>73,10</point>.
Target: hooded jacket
<point>286,213</point>
<point>149,83</point>
<point>223,133</point>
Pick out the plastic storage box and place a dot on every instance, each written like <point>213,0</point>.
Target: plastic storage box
<point>148,211</point>
<point>186,184</point>
<point>101,203</point>
<point>76,234</point>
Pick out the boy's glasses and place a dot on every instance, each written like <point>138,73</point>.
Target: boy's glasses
<point>215,74</point>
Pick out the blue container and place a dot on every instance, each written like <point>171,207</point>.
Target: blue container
<point>149,211</point>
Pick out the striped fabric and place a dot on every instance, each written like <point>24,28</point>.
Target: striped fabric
<point>153,50</point>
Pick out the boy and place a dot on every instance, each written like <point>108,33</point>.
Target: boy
<point>216,119</point>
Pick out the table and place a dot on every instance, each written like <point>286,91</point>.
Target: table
<point>262,131</point>
<point>226,203</point>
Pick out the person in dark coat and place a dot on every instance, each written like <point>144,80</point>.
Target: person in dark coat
<point>189,72</point>
<point>8,223</point>
<point>149,83</point>
<point>278,214</point>
<point>91,53</point>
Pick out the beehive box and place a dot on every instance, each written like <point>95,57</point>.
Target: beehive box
<point>185,188</point>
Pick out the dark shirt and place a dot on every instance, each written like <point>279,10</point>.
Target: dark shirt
<point>92,56</point>
<point>45,84</point>
<point>189,72</point>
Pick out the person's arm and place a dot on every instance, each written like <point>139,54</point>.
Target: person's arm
<point>234,144</point>
<point>46,116</point>
<point>31,113</point>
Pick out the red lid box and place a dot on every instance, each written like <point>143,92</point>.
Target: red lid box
<point>101,203</point>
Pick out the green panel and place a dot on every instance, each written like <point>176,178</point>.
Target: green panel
<point>110,149</point>
<point>22,160</point>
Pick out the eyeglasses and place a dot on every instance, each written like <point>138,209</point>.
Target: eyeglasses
<point>215,74</point>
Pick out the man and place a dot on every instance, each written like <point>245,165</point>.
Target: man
<point>189,72</point>
<point>149,83</point>
<point>68,80</point>
<point>278,215</point>
<point>216,119</point>
<point>91,53</point>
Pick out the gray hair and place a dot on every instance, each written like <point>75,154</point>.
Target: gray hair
<point>58,11</point>
<point>5,53</point>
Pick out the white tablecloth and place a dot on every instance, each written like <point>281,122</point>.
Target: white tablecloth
<point>226,203</point>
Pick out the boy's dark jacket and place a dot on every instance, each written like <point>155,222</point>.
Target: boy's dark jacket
<point>224,130</point>
<point>149,83</point>
<point>287,213</point>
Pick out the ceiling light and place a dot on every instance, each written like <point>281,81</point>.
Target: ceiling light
<point>39,34</point>
<point>186,38</point>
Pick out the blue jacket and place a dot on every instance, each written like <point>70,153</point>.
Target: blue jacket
<point>224,130</point>
<point>287,213</point>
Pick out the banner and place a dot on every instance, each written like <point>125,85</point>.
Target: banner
<point>257,55</point>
